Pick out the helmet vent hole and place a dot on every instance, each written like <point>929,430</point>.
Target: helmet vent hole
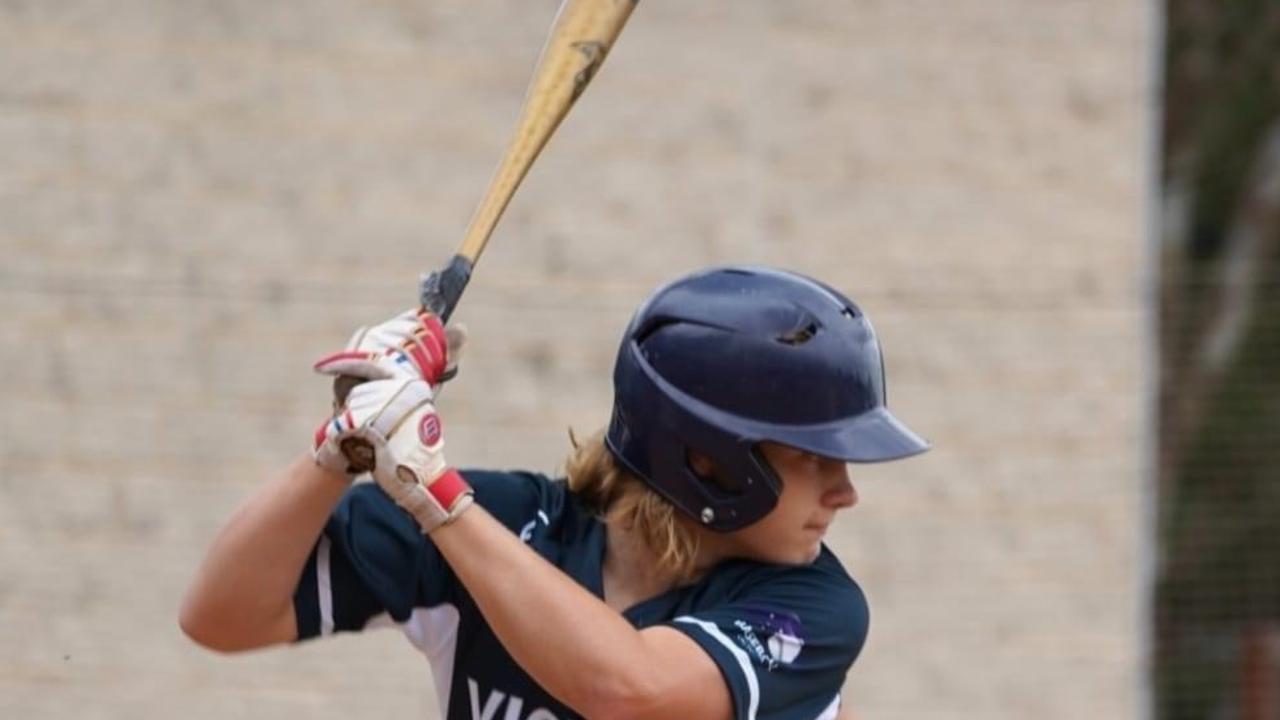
<point>706,471</point>
<point>799,336</point>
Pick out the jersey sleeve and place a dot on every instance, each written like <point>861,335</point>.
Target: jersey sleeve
<point>370,559</point>
<point>373,559</point>
<point>786,641</point>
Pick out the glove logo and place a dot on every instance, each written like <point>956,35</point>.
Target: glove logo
<point>429,429</point>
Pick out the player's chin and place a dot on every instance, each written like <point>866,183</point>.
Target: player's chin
<point>812,552</point>
<point>799,554</point>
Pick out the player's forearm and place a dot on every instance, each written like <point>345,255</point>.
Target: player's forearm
<point>572,643</point>
<point>242,594</point>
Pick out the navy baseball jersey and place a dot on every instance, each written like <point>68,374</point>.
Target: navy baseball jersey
<point>783,637</point>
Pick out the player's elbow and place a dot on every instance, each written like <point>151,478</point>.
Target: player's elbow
<point>202,625</point>
<point>221,629</point>
<point>206,640</point>
<point>196,623</point>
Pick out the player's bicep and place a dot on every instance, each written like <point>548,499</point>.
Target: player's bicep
<point>689,682</point>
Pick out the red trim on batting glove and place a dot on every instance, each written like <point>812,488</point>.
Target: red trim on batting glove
<point>427,363</point>
<point>432,323</point>
<point>435,343</point>
<point>328,360</point>
<point>448,489</point>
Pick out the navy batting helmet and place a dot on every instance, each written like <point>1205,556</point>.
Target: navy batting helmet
<point>721,360</point>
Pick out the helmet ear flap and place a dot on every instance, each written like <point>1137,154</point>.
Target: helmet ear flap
<point>715,479</point>
<point>720,482</point>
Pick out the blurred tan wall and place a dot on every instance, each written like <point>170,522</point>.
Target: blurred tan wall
<point>197,198</point>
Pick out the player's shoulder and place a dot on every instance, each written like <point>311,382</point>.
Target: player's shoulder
<point>517,497</point>
<point>828,569</point>
<point>822,591</point>
<point>757,606</point>
<point>825,573</point>
<point>505,494</point>
<point>507,482</point>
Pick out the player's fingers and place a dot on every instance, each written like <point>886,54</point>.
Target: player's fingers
<point>358,363</point>
<point>456,339</point>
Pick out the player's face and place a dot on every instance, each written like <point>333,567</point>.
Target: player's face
<point>814,489</point>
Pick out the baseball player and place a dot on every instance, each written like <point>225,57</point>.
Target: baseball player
<point>677,571</point>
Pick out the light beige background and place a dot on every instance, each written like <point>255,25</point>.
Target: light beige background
<point>197,198</point>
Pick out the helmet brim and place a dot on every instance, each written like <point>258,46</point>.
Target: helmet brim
<point>874,436</point>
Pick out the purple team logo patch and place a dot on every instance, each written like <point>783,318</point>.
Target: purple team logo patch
<point>772,637</point>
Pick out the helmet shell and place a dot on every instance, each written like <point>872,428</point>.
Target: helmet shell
<point>721,360</point>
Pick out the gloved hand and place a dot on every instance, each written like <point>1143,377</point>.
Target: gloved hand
<point>354,440</point>
<point>390,428</point>
<point>413,344</point>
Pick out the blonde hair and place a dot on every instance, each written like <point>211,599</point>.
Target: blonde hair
<point>618,496</point>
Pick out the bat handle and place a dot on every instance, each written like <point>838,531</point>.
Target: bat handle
<point>439,293</point>
<point>441,290</point>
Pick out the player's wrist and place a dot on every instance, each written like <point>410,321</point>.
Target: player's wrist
<point>331,475</point>
<point>452,492</point>
<point>434,502</point>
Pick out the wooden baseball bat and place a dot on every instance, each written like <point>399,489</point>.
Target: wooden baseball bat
<point>580,37</point>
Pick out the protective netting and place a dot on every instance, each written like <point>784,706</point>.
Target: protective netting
<point>1217,616</point>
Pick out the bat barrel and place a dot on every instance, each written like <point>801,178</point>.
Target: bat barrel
<point>580,38</point>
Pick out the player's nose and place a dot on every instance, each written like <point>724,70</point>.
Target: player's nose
<point>839,492</point>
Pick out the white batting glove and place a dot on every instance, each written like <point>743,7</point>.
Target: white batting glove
<point>413,344</point>
<point>421,482</point>
<point>354,440</point>
<point>391,429</point>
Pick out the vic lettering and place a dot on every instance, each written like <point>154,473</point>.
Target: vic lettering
<point>493,703</point>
